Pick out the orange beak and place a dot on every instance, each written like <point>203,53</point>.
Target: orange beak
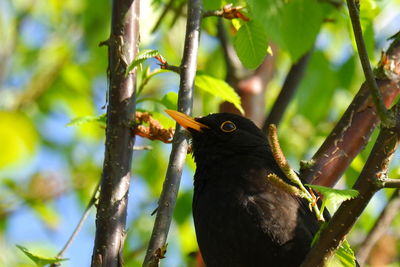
<point>186,121</point>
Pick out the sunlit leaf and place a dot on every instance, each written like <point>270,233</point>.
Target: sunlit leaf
<point>218,88</point>
<point>344,256</point>
<point>102,119</point>
<point>141,57</point>
<point>269,14</point>
<point>38,259</point>
<point>18,138</point>
<point>335,196</point>
<point>251,44</point>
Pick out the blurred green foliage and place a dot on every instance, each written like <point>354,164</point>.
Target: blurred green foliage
<point>52,72</point>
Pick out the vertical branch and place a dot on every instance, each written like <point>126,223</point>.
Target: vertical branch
<point>167,201</point>
<point>111,213</point>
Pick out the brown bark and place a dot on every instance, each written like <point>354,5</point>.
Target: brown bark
<point>354,129</point>
<point>368,183</point>
<point>111,212</point>
<point>167,201</point>
<point>349,136</point>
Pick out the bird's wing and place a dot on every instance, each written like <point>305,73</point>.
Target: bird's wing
<point>272,206</point>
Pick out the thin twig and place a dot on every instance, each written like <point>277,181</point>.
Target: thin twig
<point>167,201</point>
<point>228,12</point>
<point>363,54</point>
<point>380,227</point>
<point>173,68</point>
<point>139,148</point>
<point>78,227</point>
<point>390,183</point>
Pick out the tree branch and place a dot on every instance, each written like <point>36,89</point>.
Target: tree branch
<point>290,85</point>
<point>169,193</point>
<point>363,54</point>
<point>353,130</point>
<point>390,183</point>
<point>368,183</point>
<point>83,218</point>
<point>228,12</point>
<point>380,227</point>
<point>113,199</point>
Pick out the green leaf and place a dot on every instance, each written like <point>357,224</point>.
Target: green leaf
<point>301,22</point>
<point>251,44</point>
<point>170,100</point>
<point>269,14</point>
<point>335,196</point>
<point>39,260</point>
<point>141,57</point>
<point>102,119</point>
<point>346,255</point>
<point>18,138</point>
<point>219,88</point>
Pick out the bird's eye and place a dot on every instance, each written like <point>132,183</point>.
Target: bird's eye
<point>228,126</point>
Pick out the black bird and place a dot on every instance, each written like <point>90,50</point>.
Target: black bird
<point>241,219</point>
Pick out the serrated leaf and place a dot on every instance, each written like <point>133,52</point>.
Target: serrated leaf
<point>170,100</point>
<point>335,196</point>
<point>86,119</point>
<point>219,88</point>
<point>344,256</point>
<point>39,260</point>
<point>141,57</point>
<point>251,44</point>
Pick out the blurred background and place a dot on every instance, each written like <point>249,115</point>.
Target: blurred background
<point>52,71</point>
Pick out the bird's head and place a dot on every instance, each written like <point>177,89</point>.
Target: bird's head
<point>220,135</point>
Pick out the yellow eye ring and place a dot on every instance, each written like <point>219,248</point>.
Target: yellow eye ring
<point>228,126</point>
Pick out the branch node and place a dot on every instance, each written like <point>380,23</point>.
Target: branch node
<point>228,12</point>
